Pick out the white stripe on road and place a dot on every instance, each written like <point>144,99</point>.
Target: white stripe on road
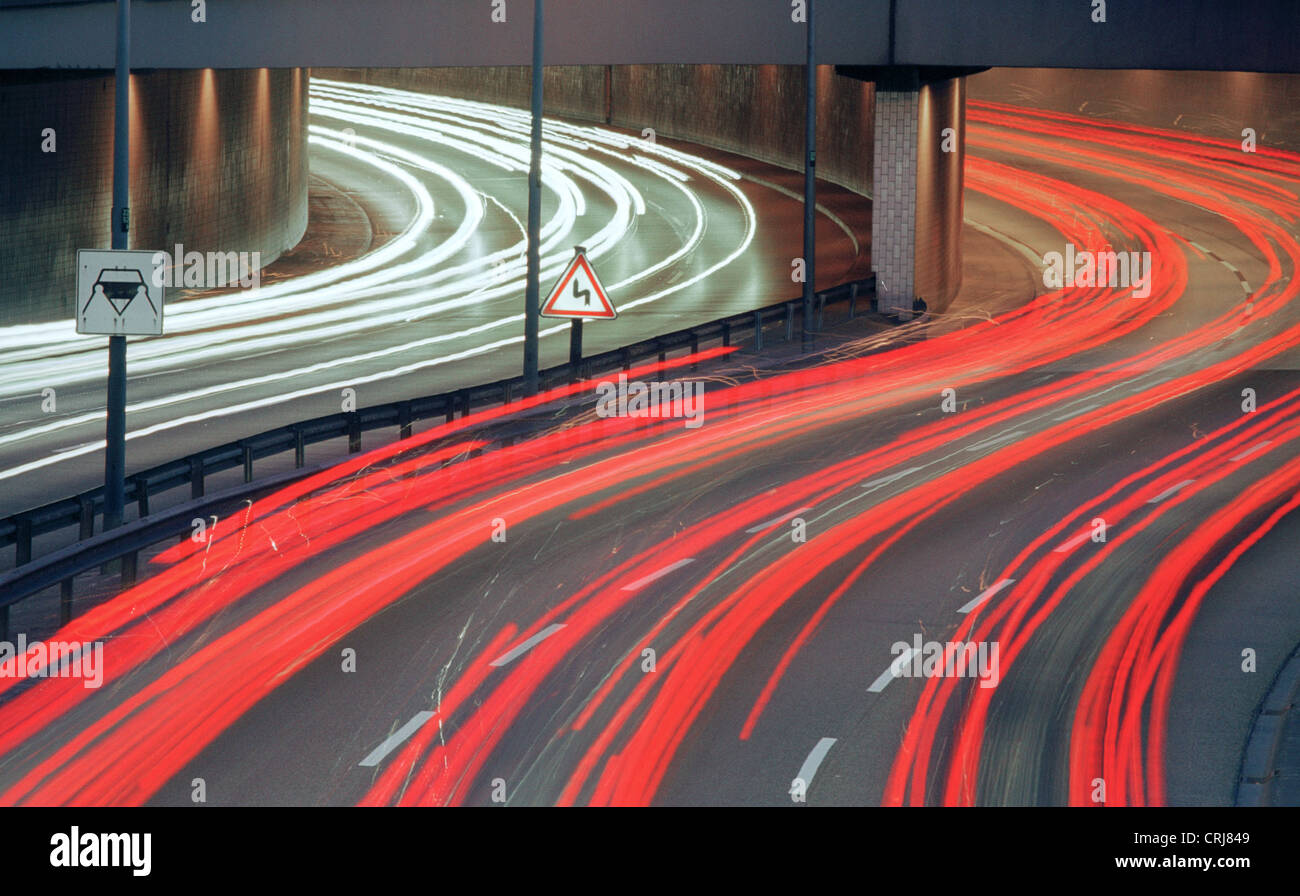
<point>814,761</point>
<point>892,477</point>
<point>641,583</point>
<point>1171,491</point>
<point>395,740</point>
<point>1249,451</point>
<point>996,440</point>
<point>899,662</point>
<point>1072,414</point>
<point>776,522</point>
<point>985,595</point>
<point>1073,542</point>
<point>1090,407</point>
<point>519,650</point>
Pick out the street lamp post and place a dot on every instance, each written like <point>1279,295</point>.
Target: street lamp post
<point>115,425</point>
<point>531,302</point>
<point>810,188</point>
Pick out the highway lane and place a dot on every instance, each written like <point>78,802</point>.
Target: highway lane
<point>1225,693</point>
<point>678,236</point>
<point>300,746</point>
<point>518,666</point>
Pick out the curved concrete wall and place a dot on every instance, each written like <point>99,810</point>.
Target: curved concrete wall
<point>752,110</point>
<point>571,91</point>
<point>939,192</point>
<point>1215,104</point>
<point>756,111</point>
<point>218,163</point>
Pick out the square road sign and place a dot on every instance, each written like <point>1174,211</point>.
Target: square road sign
<point>120,292</point>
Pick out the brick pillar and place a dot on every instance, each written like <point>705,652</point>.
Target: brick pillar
<point>893,212</point>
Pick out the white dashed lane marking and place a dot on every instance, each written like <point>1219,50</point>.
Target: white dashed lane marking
<point>892,477</point>
<point>396,739</point>
<point>985,595</point>
<point>1249,451</point>
<point>1073,542</point>
<point>776,522</point>
<point>996,440</point>
<point>518,651</point>
<point>814,761</point>
<point>1171,491</point>
<point>899,662</point>
<point>641,583</point>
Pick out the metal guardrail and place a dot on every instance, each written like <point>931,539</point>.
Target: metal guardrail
<point>126,542</point>
<point>123,544</point>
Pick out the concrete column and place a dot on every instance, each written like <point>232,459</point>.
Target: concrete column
<point>893,210</point>
<point>919,145</point>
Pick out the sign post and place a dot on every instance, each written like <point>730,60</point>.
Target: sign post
<point>531,321</point>
<point>578,296</point>
<point>575,342</point>
<point>119,294</point>
<point>810,185</point>
<point>115,427</point>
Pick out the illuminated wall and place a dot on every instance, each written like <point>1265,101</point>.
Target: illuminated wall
<point>1216,104</point>
<point>218,163</point>
<point>757,111</point>
<point>939,191</point>
<point>573,91</point>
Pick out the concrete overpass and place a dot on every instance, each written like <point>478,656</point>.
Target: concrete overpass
<point>914,51</point>
<point>1249,35</point>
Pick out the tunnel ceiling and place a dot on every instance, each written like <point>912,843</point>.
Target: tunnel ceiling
<point>1154,34</point>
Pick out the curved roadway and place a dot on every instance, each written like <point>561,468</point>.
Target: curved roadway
<point>629,611</point>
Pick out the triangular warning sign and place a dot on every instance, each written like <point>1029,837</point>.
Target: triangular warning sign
<point>578,294</point>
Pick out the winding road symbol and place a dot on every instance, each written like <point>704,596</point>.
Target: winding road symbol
<point>578,294</point>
